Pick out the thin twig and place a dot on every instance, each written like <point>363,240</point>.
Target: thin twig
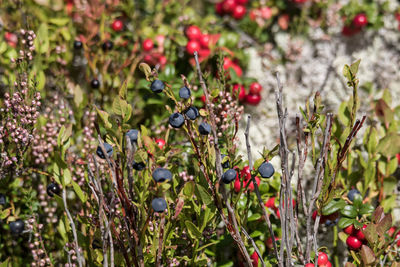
<point>160,241</point>
<point>256,189</point>
<point>255,246</point>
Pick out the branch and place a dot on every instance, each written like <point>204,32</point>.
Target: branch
<point>256,189</point>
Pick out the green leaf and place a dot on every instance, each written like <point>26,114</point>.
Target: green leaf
<point>366,209</point>
<point>78,95</point>
<point>193,231</point>
<point>347,72</point>
<point>344,222</point>
<point>41,80</point>
<point>372,141</point>
<point>59,21</point>
<point>349,211</point>
<point>42,38</point>
<point>82,196</point>
<point>188,189</point>
<point>104,116</point>
<point>204,195</point>
<point>146,70</point>
<point>67,177</point>
<point>357,202</point>
<point>333,206</point>
<point>5,263</point>
<point>389,145</point>
<point>254,217</point>
<point>354,67</point>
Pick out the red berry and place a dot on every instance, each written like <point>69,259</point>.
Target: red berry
<point>237,69</point>
<point>309,265</point>
<point>397,236</point>
<point>242,91</point>
<point>329,264</point>
<point>322,258</point>
<point>270,203</point>
<point>353,243</point>
<point>241,2</point>
<point>251,185</point>
<point>283,21</point>
<point>268,242</point>
<point>360,20</point>
<point>253,14</point>
<point>147,45</point>
<point>160,143</point>
<point>193,32</point>
<point>255,88</point>
<point>391,231</point>
<point>204,40</point>
<point>300,1</point>
<point>314,215</point>
<point>237,185</point>
<point>266,12</point>
<point>278,214</point>
<point>228,6</point>
<point>11,39</point>
<point>359,233</point>
<point>254,259</point>
<point>203,53</point>
<point>350,30</point>
<point>162,60</point>
<point>219,8</point>
<point>192,46</point>
<point>117,25</point>
<point>203,99</point>
<point>245,173</point>
<point>253,99</point>
<point>349,229</point>
<point>239,12</point>
<point>398,158</point>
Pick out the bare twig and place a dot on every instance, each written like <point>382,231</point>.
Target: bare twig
<point>71,221</point>
<point>256,189</point>
<point>254,245</point>
<point>160,240</point>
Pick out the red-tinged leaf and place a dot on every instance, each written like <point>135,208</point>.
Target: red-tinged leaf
<point>377,216</point>
<point>384,224</point>
<point>370,233</point>
<point>367,255</point>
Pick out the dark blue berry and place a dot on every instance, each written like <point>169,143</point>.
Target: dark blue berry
<point>108,149</point>
<point>192,113</point>
<point>225,164</point>
<point>95,84</point>
<point>157,86</point>
<point>138,165</point>
<point>204,128</point>
<point>2,199</point>
<point>133,135</point>
<point>184,93</point>
<point>266,170</point>
<point>77,45</point>
<point>176,120</point>
<point>159,204</point>
<point>16,227</point>
<point>229,176</point>
<point>352,194</point>
<point>160,175</point>
<point>53,189</point>
<point>107,46</point>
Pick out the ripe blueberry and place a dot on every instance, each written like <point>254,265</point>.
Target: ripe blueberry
<point>108,149</point>
<point>266,170</point>
<point>133,135</point>
<point>157,86</point>
<point>161,174</point>
<point>53,189</point>
<point>184,92</point>
<point>95,84</point>
<point>77,45</point>
<point>159,204</point>
<point>204,128</point>
<point>107,46</point>
<point>225,164</point>
<point>138,165</point>
<point>16,227</point>
<point>229,176</point>
<point>2,199</point>
<point>176,120</point>
<point>352,194</point>
<point>192,113</point>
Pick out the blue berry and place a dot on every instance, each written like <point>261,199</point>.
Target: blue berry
<point>138,165</point>
<point>204,128</point>
<point>157,86</point>
<point>176,120</point>
<point>352,194</point>
<point>133,135</point>
<point>192,113</point>
<point>159,204</point>
<point>266,170</point>
<point>2,199</point>
<point>108,149</point>
<point>16,227</point>
<point>53,189</point>
<point>229,176</point>
<point>184,93</point>
<point>107,46</point>
<point>161,174</point>
<point>77,45</point>
<point>225,164</point>
<point>95,84</point>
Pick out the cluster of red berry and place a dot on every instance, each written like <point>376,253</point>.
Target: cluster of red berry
<point>356,237</point>
<point>358,22</point>
<point>253,97</point>
<point>197,41</point>
<point>323,261</point>
<point>235,8</point>
<point>245,176</point>
<point>154,57</point>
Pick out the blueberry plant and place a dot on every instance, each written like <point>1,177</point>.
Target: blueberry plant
<point>119,142</point>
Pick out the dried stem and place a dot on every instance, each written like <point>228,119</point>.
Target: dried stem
<point>160,240</point>
<point>256,189</point>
